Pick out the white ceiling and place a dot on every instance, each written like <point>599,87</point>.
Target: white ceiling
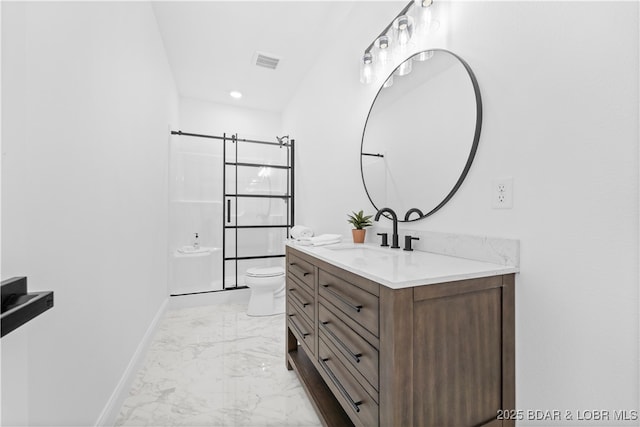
<point>211,45</point>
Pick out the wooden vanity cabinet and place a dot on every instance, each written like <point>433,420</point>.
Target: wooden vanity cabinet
<point>432,355</point>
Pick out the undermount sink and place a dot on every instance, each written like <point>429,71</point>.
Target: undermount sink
<point>362,249</point>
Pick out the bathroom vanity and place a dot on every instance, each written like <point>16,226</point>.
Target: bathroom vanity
<point>383,337</point>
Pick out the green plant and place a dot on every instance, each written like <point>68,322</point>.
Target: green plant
<point>359,220</point>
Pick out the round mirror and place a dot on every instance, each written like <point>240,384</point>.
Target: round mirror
<point>421,135</point>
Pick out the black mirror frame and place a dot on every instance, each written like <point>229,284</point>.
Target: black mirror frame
<point>474,147</point>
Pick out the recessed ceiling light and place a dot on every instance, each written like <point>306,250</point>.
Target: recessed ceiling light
<point>235,94</point>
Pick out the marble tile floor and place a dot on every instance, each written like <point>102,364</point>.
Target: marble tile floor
<point>216,366</point>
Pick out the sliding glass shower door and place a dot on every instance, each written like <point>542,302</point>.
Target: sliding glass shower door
<point>259,205</point>
<point>231,208</point>
<point>195,215</point>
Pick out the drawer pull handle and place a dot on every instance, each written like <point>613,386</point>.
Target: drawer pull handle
<point>356,307</point>
<point>355,405</point>
<point>355,356</point>
<point>299,270</point>
<point>304,304</point>
<point>297,328</point>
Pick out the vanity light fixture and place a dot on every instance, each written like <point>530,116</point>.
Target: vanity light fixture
<point>393,41</point>
<point>235,94</point>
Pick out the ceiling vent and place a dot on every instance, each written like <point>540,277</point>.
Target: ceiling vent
<point>266,60</point>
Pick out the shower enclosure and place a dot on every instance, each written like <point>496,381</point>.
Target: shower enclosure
<point>236,195</point>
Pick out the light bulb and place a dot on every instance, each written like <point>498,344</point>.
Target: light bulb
<point>366,68</point>
<point>422,19</point>
<point>382,49</point>
<point>383,42</point>
<point>403,28</point>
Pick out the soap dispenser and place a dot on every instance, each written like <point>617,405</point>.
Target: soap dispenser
<point>196,243</point>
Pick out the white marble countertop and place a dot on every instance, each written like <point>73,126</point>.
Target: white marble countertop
<point>397,269</point>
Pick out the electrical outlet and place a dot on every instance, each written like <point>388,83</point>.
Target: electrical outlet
<point>502,193</point>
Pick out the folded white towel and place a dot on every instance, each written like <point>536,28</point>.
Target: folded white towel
<point>299,231</point>
<point>326,239</point>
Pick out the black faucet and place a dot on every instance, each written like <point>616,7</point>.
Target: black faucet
<point>394,218</point>
<point>384,239</point>
<point>412,210</point>
<point>407,242</point>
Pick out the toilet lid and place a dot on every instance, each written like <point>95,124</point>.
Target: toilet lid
<point>265,272</point>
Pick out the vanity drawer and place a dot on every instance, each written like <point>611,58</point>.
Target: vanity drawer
<point>301,328</point>
<point>301,270</point>
<point>299,295</point>
<point>355,349</point>
<point>358,404</point>
<point>355,302</point>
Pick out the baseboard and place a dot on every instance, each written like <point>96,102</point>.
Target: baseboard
<point>120,393</point>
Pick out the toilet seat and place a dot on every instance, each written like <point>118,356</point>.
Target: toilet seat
<point>265,272</point>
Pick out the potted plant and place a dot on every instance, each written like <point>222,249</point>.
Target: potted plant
<point>359,221</point>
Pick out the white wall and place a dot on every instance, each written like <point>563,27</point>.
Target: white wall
<point>88,98</point>
<point>199,116</point>
<point>559,83</point>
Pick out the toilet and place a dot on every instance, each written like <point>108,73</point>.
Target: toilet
<point>267,291</point>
